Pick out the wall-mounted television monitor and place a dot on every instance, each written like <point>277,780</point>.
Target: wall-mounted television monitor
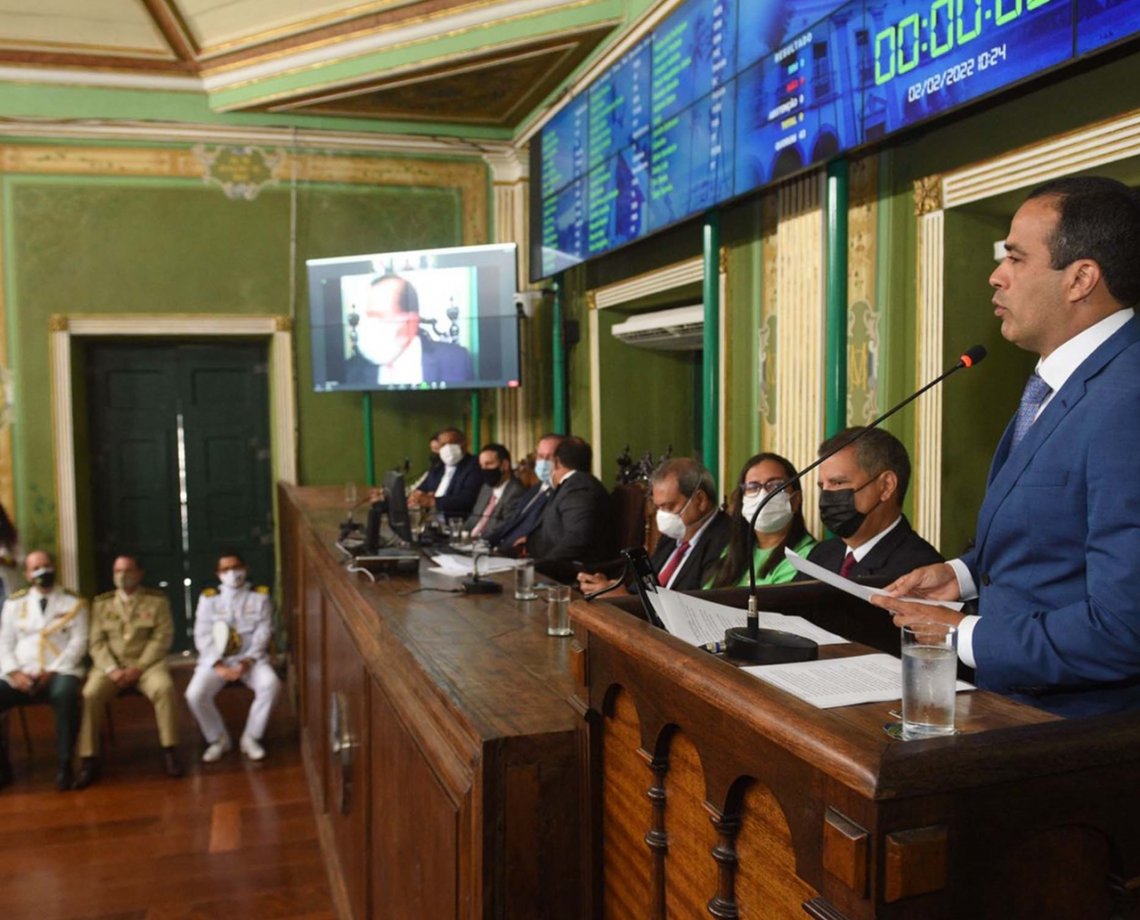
<point>427,319</point>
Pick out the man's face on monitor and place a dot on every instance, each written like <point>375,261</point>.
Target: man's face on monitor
<point>385,330</point>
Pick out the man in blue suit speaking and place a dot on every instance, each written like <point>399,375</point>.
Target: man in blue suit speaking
<point>1056,560</point>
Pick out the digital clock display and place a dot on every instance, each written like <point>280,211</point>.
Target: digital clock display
<point>726,96</point>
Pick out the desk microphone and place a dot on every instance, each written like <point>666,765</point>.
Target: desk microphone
<point>477,585</point>
<point>771,646</point>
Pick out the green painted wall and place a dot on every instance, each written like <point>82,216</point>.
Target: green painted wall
<point>110,245</point>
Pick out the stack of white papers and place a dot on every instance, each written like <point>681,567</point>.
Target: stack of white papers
<point>453,564</point>
<point>840,681</point>
<point>700,621</point>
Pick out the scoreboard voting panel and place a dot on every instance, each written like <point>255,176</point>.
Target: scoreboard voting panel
<point>726,96</point>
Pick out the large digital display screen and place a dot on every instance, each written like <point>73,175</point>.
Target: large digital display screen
<point>726,96</point>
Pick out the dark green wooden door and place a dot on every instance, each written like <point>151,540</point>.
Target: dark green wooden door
<point>179,438</point>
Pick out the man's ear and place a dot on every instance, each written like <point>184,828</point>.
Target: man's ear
<point>888,485</point>
<point>1083,277</point>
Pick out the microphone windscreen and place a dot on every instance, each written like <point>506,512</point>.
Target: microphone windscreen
<point>972,356</point>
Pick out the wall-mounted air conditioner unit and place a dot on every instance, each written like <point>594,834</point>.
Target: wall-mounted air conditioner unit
<point>678,329</point>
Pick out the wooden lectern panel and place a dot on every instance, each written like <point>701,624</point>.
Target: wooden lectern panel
<point>626,813</point>
<point>721,796</point>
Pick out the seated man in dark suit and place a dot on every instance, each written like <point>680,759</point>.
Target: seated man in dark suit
<point>694,531</point>
<point>533,501</point>
<point>391,349</point>
<point>452,488</point>
<point>573,522</point>
<point>499,495</point>
<point>861,503</point>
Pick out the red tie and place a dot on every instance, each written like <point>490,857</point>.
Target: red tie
<point>848,564</point>
<point>482,525</point>
<point>671,565</point>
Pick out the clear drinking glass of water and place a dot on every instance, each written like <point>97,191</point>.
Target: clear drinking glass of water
<point>929,672</point>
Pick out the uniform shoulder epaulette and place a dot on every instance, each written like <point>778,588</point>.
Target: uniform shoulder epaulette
<point>209,592</point>
<point>69,592</point>
<point>105,596</point>
<point>18,594</point>
<point>262,589</point>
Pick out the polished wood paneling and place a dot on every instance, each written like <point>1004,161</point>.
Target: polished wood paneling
<point>414,824</point>
<point>820,813</point>
<point>625,814</point>
<point>347,797</point>
<point>467,761</point>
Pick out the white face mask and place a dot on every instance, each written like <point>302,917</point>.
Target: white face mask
<point>379,341</point>
<point>775,515</point>
<point>671,524</point>
<point>544,469</point>
<point>450,454</point>
<point>232,578</point>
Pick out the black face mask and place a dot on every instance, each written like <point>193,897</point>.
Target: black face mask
<point>491,477</point>
<point>838,512</point>
<point>44,578</point>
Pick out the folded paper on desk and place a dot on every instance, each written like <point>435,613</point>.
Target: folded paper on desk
<point>701,621</point>
<point>451,564</point>
<point>812,570</point>
<point>840,681</point>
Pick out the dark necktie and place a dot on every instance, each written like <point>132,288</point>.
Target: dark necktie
<point>848,565</point>
<point>671,565</point>
<point>43,604</point>
<point>1036,392</point>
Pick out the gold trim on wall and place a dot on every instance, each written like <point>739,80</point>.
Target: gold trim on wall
<point>468,178</point>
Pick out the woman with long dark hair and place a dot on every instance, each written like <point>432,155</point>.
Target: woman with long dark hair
<point>780,525</point>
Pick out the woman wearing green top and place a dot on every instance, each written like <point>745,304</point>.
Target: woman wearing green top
<point>781,524</point>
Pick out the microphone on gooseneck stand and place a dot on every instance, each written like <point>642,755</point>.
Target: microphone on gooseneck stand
<point>477,585</point>
<point>771,646</point>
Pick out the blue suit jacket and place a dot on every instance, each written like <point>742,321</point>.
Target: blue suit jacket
<point>1057,553</point>
<point>462,491</point>
<point>523,520</point>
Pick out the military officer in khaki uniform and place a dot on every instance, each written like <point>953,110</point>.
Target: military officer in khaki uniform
<point>43,641</point>
<point>131,634</point>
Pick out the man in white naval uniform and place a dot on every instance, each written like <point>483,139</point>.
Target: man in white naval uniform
<point>43,642</point>
<point>249,615</point>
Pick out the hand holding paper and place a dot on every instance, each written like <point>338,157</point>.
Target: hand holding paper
<point>867,593</point>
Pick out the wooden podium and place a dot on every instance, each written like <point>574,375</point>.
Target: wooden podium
<point>707,792</point>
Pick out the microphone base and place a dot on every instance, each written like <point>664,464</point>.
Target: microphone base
<point>481,586</point>
<point>768,646</point>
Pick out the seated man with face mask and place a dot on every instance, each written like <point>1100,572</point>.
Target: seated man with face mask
<point>452,488</point>
<point>694,531</point>
<point>499,495</point>
<point>863,487</point>
<point>530,505</point>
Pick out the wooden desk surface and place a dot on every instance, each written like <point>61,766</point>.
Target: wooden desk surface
<point>489,655</point>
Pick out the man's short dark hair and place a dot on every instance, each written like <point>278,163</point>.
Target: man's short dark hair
<point>498,450</point>
<point>458,431</point>
<point>1098,219</point>
<point>875,452</point>
<point>574,454</point>
<point>408,300</point>
<point>135,559</point>
<point>230,554</point>
<point>690,476</point>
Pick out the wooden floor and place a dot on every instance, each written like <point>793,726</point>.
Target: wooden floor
<point>233,840</point>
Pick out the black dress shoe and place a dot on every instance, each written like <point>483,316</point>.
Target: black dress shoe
<point>88,772</point>
<point>171,762</point>
<point>64,779</point>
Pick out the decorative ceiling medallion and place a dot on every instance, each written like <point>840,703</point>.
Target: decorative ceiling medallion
<point>242,172</point>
